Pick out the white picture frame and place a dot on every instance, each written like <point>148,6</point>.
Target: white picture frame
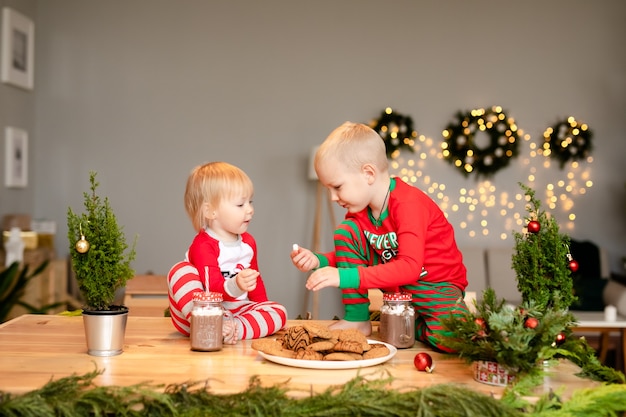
<point>18,49</point>
<point>16,157</point>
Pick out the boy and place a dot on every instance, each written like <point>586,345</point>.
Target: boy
<point>394,237</point>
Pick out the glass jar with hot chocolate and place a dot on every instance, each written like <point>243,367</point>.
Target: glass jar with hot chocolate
<point>397,320</point>
<point>207,321</point>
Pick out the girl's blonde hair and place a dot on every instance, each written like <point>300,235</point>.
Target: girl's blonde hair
<point>210,184</point>
<point>354,144</point>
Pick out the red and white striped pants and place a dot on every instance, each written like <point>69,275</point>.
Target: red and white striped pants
<point>255,319</point>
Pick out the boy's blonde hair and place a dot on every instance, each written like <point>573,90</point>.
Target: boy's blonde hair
<point>210,184</point>
<point>354,144</point>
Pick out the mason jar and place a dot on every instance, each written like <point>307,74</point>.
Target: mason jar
<point>397,320</point>
<point>207,321</point>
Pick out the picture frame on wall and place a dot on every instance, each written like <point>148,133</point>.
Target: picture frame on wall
<point>16,158</point>
<point>18,49</point>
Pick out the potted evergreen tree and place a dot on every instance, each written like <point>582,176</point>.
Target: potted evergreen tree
<point>101,260</point>
<point>505,342</point>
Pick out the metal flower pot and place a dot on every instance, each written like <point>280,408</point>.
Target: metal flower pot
<point>105,330</point>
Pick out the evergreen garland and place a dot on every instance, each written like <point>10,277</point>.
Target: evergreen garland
<point>78,396</point>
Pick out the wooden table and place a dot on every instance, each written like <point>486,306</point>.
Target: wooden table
<point>36,348</point>
<point>593,321</point>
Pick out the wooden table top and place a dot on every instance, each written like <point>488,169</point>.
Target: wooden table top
<point>37,348</point>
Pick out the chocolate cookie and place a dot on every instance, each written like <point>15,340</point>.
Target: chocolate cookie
<point>296,338</point>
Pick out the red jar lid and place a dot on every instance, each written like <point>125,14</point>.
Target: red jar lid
<point>213,297</point>
<point>397,296</point>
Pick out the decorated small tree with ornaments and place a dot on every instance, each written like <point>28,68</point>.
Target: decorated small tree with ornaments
<point>521,338</point>
<point>542,261</point>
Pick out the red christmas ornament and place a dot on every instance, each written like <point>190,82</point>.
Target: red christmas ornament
<point>560,338</point>
<point>572,264</point>
<point>531,323</point>
<point>481,333</point>
<point>423,362</point>
<point>533,226</point>
<point>480,322</point>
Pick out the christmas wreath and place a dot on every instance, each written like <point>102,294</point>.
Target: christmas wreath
<point>567,140</point>
<point>396,130</point>
<point>460,147</point>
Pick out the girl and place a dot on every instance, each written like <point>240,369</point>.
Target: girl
<point>223,255</point>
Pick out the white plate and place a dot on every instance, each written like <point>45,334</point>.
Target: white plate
<point>303,363</point>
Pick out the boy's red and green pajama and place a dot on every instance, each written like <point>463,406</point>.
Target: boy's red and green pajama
<point>431,301</point>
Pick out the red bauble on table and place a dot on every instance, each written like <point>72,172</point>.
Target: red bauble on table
<point>423,362</point>
<point>533,226</point>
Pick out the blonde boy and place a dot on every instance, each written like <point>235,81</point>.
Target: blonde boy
<point>394,237</point>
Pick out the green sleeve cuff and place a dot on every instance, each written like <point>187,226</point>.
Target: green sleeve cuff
<point>349,278</point>
<point>322,259</point>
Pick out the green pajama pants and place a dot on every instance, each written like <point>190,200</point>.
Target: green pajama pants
<point>432,301</point>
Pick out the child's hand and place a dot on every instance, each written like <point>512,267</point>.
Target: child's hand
<point>246,279</point>
<point>304,259</point>
<point>322,278</point>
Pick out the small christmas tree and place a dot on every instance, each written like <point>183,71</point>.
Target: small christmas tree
<point>542,261</point>
<point>540,329</point>
<point>101,258</point>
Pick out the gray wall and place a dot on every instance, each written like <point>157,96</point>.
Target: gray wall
<point>16,110</point>
<point>142,91</point>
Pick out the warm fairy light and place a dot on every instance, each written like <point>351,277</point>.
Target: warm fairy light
<point>481,209</point>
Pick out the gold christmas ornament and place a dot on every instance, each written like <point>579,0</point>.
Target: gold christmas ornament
<point>82,246</point>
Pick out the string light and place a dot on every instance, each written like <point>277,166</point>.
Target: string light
<point>483,210</point>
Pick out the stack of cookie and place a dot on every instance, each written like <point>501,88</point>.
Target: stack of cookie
<point>312,341</point>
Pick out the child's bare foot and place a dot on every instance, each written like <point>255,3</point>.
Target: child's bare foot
<point>364,327</point>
